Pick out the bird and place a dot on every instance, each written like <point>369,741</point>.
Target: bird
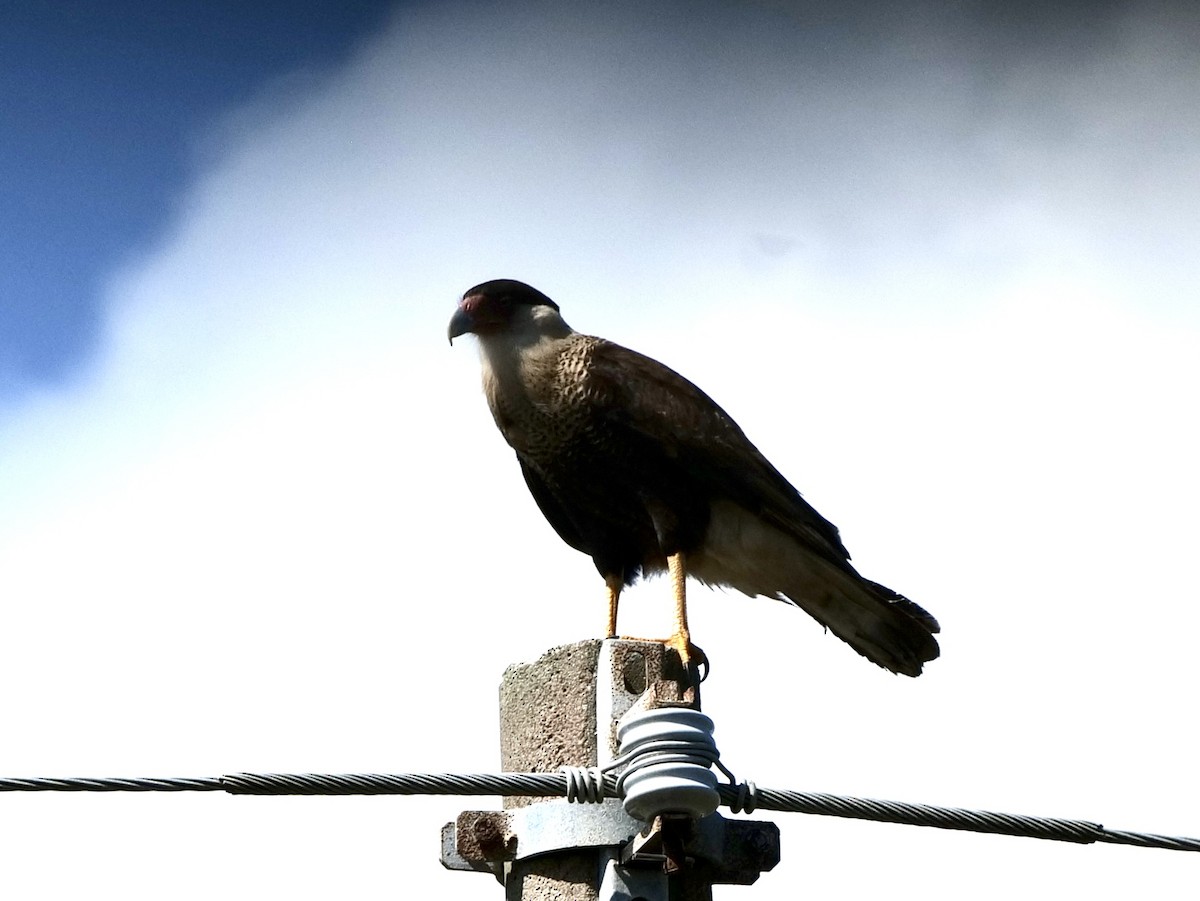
<point>636,467</point>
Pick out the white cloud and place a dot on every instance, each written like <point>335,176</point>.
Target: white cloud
<point>277,530</point>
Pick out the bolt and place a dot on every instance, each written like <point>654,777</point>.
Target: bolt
<point>488,833</point>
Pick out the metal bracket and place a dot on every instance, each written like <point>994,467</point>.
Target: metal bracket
<point>479,839</point>
<point>453,860</point>
<point>624,883</point>
<point>727,851</point>
<point>730,852</point>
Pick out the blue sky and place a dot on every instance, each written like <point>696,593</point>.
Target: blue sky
<point>105,109</point>
<point>254,515</point>
<point>110,111</point>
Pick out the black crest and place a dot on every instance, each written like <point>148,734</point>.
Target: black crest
<point>509,290</point>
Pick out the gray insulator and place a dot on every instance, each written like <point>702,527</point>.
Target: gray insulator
<point>670,751</point>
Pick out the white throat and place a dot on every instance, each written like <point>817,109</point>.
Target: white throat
<point>533,329</point>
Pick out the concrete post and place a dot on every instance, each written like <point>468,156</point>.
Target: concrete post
<point>562,710</point>
<point>548,720</point>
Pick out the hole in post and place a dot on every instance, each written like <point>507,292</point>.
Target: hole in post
<point>633,671</point>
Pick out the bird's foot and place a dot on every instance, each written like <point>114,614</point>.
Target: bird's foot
<point>694,660</point>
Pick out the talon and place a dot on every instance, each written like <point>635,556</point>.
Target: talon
<point>691,656</point>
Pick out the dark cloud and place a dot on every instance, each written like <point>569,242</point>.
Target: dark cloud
<point>853,134</point>
<point>101,102</point>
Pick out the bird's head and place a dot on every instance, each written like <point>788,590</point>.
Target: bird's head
<point>498,306</point>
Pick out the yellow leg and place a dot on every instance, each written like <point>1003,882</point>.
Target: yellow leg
<point>614,585</point>
<point>681,640</point>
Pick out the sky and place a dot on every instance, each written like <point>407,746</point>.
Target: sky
<point>938,262</point>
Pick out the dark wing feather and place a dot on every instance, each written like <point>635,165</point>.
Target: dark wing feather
<point>555,513</point>
<point>661,411</point>
<point>657,403</point>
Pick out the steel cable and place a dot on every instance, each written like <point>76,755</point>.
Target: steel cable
<point>551,785</point>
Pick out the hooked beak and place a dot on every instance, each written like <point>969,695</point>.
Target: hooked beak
<point>461,323</point>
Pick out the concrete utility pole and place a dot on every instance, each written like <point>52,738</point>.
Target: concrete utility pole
<point>564,710</point>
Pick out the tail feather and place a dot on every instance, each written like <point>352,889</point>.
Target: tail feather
<point>913,609</point>
<point>743,552</point>
<point>881,625</point>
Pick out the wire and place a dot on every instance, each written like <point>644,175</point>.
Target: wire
<point>745,796</point>
<point>111,785</point>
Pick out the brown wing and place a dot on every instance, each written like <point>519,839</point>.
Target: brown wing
<point>654,402</point>
<point>800,558</point>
